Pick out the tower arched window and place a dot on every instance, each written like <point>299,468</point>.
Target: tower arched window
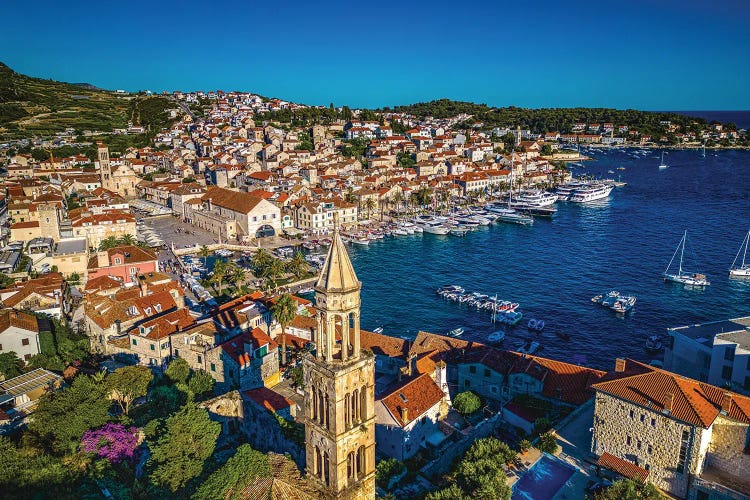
<point>347,411</point>
<point>360,461</point>
<point>326,468</point>
<point>355,406</point>
<point>318,465</point>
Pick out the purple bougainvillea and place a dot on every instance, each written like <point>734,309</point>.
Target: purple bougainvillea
<point>115,442</point>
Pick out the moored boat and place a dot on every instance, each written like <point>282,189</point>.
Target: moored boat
<point>682,277</point>
<point>743,270</point>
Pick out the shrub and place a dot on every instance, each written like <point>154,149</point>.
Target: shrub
<point>547,443</point>
<point>524,445</point>
<point>467,403</point>
<point>115,442</point>
<point>178,371</point>
<point>387,469</point>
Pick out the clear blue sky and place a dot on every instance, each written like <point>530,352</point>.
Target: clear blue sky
<point>646,54</point>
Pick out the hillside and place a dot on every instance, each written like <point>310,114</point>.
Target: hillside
<point>35,106</point>
<point>544,119</point>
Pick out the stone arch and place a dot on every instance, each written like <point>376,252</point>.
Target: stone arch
<point>360,461</point>
<point>326,468</point>
<point>347,410</point>
<point>363,409</point>
<point>318,463</point>
<point>355,406</point>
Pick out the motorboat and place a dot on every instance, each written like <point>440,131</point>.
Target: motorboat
<point>536,198</point>
<point>623,304</point>
<point>682,277</point>
<point>456,332</point>
<point>512,318</point>
<point>378,329</point>
<point>654,344</point>
<point>510,216</point>
<point>530,347</point>
<point>743,270</point>
<point>496,337</point>
<point>435,227</point>
<point>564,191</point>
<point>459,231</point>
<point>536,325</point>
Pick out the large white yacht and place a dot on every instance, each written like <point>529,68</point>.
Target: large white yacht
<point>536,198</point>
<point>592,192</point>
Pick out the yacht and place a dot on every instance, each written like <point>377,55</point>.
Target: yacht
<point>536,198</point>
<point>662,165</point>
<point>591,193</point>
<point>743,270</point>
<point>435,227</point>
<point>511,216</point>
<point>564,191</point>
<point>690,279</point>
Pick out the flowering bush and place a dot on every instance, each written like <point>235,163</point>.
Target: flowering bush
<point>115,442</point>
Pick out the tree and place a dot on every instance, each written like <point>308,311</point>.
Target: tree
<point>242,468</point>
<point>483,479</point>
<point>220,272</point>
<point>178,371</point>
<point>524,445</point>
<point>387,469</point>
<point>452,492</point>
<point>236,274</point>
<point>10,364</point>
<point>546,150</point>
<point>201,384</point>
<point>274,271</point>
<point>204,252</point>
<point>260,262</point>
<point>108,242</point>
<point>284,311</point>
<point>493,448</point>
<point>128,239</point>
<point>466,403</point>
<point>179,453</point>
<point>629,489</point>
<point>398,199</point>
<point>298,266</point>
<point>61,417</point>
<point>115,442</point>
<point>128,383</point>
<point>547,443</point>
<point>370,204</point>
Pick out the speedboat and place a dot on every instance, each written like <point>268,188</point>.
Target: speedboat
<point>511,216</point>
<point>456,332</point>
<point>536,325</point>
<point>623,303</point>
<point>497,336</point>
<point>435,227</point>
<point>378,329</point>
<point>653,343</point>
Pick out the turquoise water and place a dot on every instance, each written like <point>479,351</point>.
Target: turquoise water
<point>543,480</point>
<point>554,267</point>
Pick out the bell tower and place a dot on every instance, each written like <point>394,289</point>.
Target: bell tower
<point>340,387</point>
<point>105,172</point>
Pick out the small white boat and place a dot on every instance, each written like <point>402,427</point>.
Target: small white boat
<point>378,329</point>
<point>456,332</point>
<point>496,337</point>
<point>743,270</point>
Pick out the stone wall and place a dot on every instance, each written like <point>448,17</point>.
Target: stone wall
<point>655,447</point>
<point>726,449</point>
<point>264,434</point>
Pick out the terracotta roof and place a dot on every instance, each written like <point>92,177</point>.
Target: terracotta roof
<point>268,399</point>
<point>11,317</point>
<point>169,323</point>
<point>131,255</point>
<point>101,283</point>
<point>693,402</point>
<point>416,396</point>
<point>236,201</point>
<point>383,345</point>
<point>622,467</point>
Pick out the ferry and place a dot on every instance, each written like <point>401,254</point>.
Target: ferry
<point>591,193</point>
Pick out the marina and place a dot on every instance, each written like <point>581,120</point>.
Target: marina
<point>554,266</point>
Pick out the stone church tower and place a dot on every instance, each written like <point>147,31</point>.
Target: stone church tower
<point>340,387</point>
<point>102,153</point>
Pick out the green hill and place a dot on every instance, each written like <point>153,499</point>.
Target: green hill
<point>37,107</point>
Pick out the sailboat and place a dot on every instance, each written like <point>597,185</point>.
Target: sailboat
<point>510,215</point>
<point>694,279</point>
<point>662,165</point>
<point>743,270</point>
<point>703,153</point>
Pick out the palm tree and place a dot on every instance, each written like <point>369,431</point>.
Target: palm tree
<point>220,272</point>
<point>236,275</point>
<point>128,239</point>
<point>298,265</point>
<point>398,199</point>
<point>370,205</point>
<point>108,242</point>
<point>284,311</point>
<point>204,252</point>
<point>260,262</point>
<point>274,271</point>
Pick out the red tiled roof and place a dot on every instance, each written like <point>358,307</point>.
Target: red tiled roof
<point>622,467</point>
<point>416,396</point>
<point>11,317</point>
<point>268,399</point>
<point>693,402</point>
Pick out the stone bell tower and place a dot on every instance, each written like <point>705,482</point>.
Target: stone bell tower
<point>340,387</point>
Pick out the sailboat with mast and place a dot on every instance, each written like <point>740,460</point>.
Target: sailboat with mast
<point>509,215</point>
<point>743,270</point>
<point>683,277</point>
<point>662,165</point>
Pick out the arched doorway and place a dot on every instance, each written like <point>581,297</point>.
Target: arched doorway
<point>264,231</point>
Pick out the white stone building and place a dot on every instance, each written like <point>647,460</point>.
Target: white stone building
<point>19,333</point>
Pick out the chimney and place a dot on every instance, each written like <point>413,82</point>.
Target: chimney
<point>668,402</point>
<point>102,259</point>
<point>209,205</point>
<point>411,364</point>
<point>143,286</point>
<point>726,402</point>
<point>619,365</point>
<point>405,415</point>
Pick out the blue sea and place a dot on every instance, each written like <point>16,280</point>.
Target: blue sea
<point>554,267</point>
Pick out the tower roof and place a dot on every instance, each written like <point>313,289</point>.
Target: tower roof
<point>338,272</point>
